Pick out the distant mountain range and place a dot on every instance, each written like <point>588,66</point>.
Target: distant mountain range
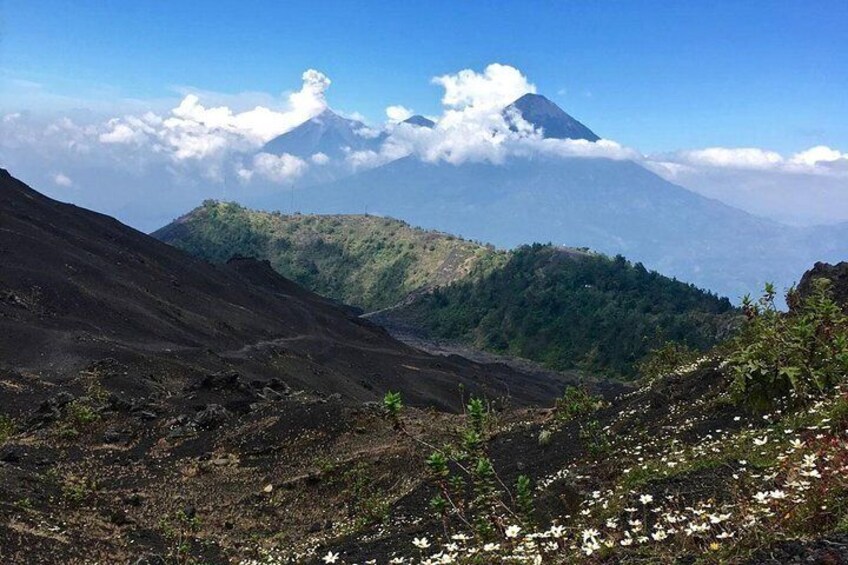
<point>612,206</point>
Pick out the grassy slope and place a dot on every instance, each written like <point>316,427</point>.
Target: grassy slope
<point>365,261</point>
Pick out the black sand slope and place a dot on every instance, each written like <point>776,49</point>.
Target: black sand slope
<point>78,287</point>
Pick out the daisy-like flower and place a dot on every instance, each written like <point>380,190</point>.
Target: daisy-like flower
<point>330,557</point>
<point>557,531</point>
<point>421,543</point>
<point>718,518</point>
<point>590,534</point>
<point>512,531</point>
<point>491,547</point>
<point>659,535</point>
<point>646,499</point>
<point>761,440</point>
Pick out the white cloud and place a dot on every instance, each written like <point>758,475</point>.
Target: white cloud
<point>320,159</point>
<point>194,131</point>
<point>209,136</point>
<point>819,160</point>
<point>61,179</point>
<point>741,158</point>
<point>473,127</point>
<point>495,87</point>
<point>808,187</point>
<point>398,113</point>
<point>275,168</point>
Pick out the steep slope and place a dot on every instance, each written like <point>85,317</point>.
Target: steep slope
<point>550,118</point>
<point>610,206</point>
<point>77,287</point>
<point>365,261</point>
<point>569,309</point>
<point>326,133</point>
<point>146,395</point>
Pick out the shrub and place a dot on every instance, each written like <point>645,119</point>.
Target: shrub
<point>595,438</point>
<point>793,356</point>
<point>665,360</point>
<point>576,402</point>
<point>469,489</point>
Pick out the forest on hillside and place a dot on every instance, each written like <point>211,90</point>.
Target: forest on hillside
<point>571,310</point>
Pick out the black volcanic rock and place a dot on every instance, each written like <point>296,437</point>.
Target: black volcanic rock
<point>837,275</point>
<point>96,289</point>
<point>550,118</point>
<point>420,121</point>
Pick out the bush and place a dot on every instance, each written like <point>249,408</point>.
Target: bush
<point>665,360</point>
<point>576,402</point>
<point>794,356</point>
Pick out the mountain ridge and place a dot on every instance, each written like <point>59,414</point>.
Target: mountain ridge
<point>446,288</point>
<point>77,286</point>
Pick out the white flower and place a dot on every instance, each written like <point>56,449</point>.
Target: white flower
<point>646,499</point>
<point>557,531</point>
<point>330,557</point>
<point>761,440</point>
<point>491,547</point>
<point>512,531</point>
<point>590,534</point>
<point>777,494</point>
<point>421,543</point>
<point>659,535</point>
<point>718,518</point>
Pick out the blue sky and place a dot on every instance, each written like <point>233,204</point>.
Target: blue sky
<point>657,75</point>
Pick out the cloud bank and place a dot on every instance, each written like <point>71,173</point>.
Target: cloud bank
<point>198,144</point>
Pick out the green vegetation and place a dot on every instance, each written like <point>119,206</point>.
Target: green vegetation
<point>575,403</point>
<point>469,488</point>
<point>7,428</point>
<point>665,360</point>
<point>565,308</point>
<point>78,415</point>
<point>365,261</point>
<point>573,310</point>
<point>799,355</point>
